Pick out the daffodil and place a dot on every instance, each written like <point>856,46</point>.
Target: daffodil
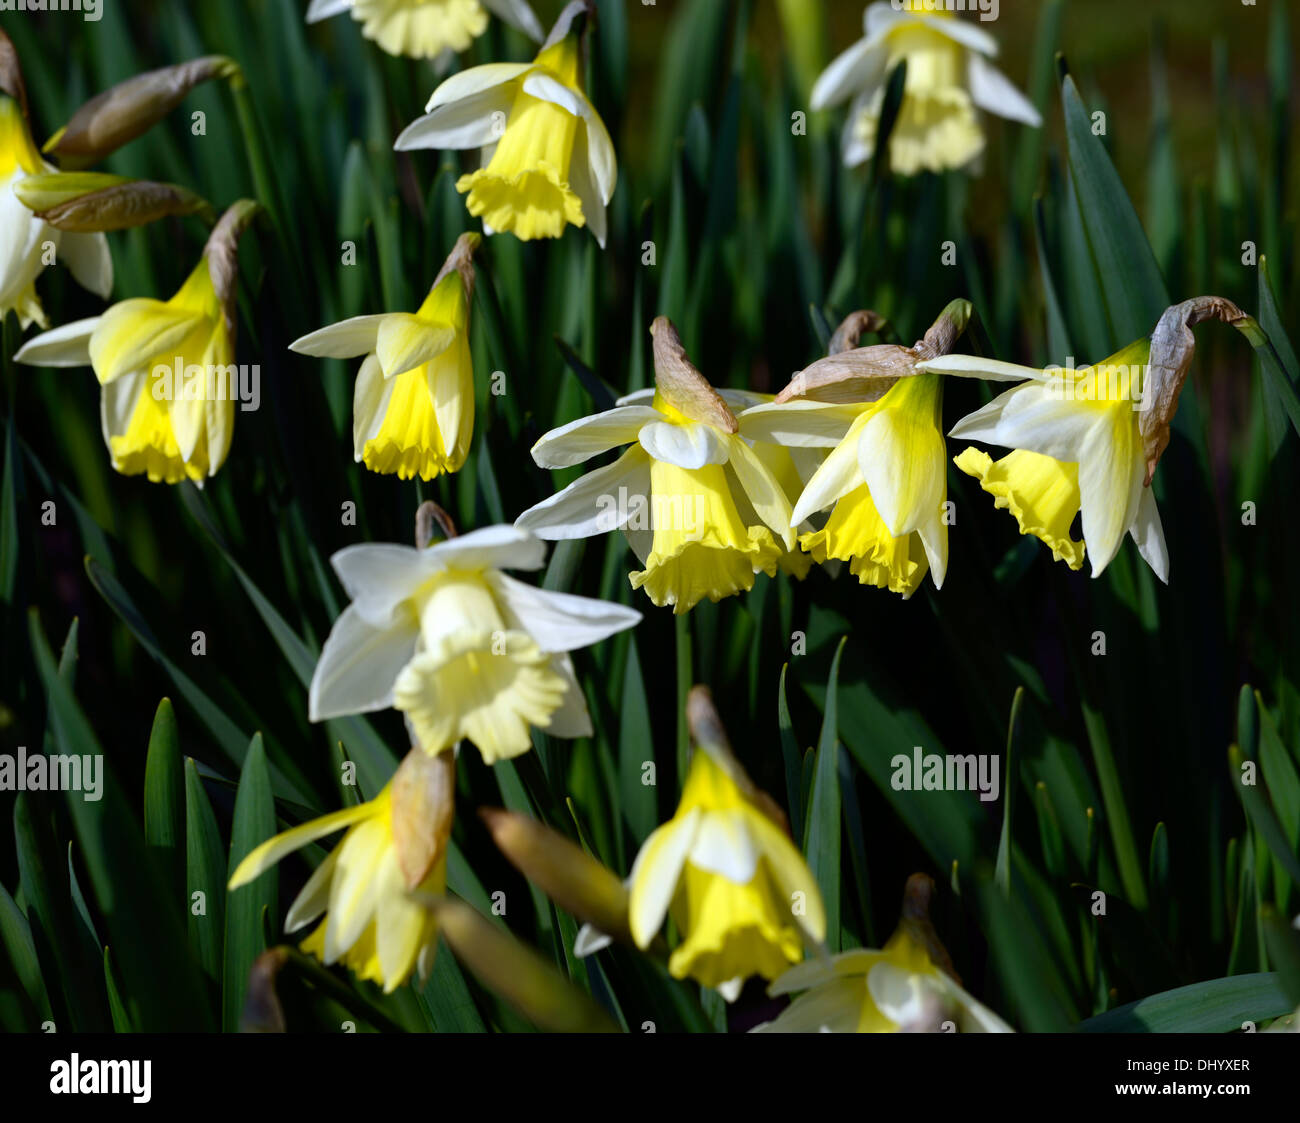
<point>949,78</point>
<point>427,28</point>
<point>677,493</point>
<point>896,989</point>
<point>462,649</point>
<point>166,367</point>
<point>27,242</point>
<point>741,894</point>
<point>413,407</point>
<point>548,161</point>
<point>1089,457</point>
<point>394,845</point>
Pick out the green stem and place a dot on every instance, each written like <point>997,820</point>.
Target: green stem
<point>1112,798</point>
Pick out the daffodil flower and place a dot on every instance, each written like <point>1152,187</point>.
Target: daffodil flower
<point>463,650</point>
<point>548,161</point>
<point>157,423</point>
<point>27,242</point>
<point>1084,427</point>
<point>394,845</point>
<point>677,493</point>
<point>894,989</point>
<point>427,28</point>
<point>948,79</point>
<point>739,891</point>
<point>413,408</point>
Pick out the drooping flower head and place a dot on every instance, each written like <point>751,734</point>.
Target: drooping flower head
<point>27,243</point>
<point>741,894</point>
<point>413,407</point>
<point>394,844</point>
<point>427,28</point>
<point>462,649</point>
<point>683,493</point>
<point>167,367</point>
<point>948,79</point>
<point>548,160</point>
<point>908,986</point>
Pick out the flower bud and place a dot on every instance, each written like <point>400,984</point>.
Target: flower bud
<point>89,202</point>
<point>681,385</point>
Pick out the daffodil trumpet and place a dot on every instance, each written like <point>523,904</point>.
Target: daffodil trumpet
<point>431,29</point>
<point>699,505</point>
<point>948,79</point>
<point>885,476</point>
<point>463,650</point>
<point>548,161</point>
<point>908,986</point>
<point>413,406</point>
<point>367,890</point>
<point>156,424</point>
<point>28,243</point>
<point>1086,442</point>
<point>741,895</point>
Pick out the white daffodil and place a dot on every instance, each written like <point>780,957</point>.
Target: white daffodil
<point>463,650</point>
<point>948,79</point>
<point>894,989</point>
<point>548,161</point>
<point>427,28</point>
<point>682,493</point>
<point>1084,426</point>
<point>28,243</point>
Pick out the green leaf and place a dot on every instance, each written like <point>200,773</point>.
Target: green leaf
<point>1262,817</point>
<point>793,762</point>
<point>121,1019</point>
<point>1003,864</point>
<point>253,824</point>
<point>16,937</point>
<point>822,842</point>
<point>635,748</point>
<point>1216,1006</point>
<point>205,873</point>
<point>164,793</point>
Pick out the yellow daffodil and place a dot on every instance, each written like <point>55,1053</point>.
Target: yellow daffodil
<point>548,160</point>
<point>27,242</point>
<point>394,845</point>
<point>897,989</point>
<point>167,368</point>
<point>1080,431</point>
<point>739,891</point>
<point>677,493</point>
<point>413,408</point>
<point>427,28</point>
<point>463,650</point>
<point>948,79</point>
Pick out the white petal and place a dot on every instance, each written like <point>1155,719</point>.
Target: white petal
<point>541,85</point>
<point>491,547</point>
<point>965,33</point>
<point>117,401</point>
<point>89,261</point>
<point>405,341</point>
<point>314,897</point>
<point>370,398</point>
<point>799,424</point>
<point>583,183</point>
<point>1032,417</point>
<point>655,873</point>
<point>571,719</point>
<point>588,436</point>
<point>835,1007</point>
<point>860,68</point>
<point>763,490</point>
<point>934,539</point>
<point>323,9</point>
<point>601,158</point>
<point>838,475</point>
<point>589,941</point>
<point>636,397</point>
<point>723,845</point>
<point>1150,535</point>
<point>518,15</point>
<point>378,576</point>
<point>596,503</point>
<point>465,83</point>
<point>904,463</point>
<point>358,666</point>
<point>64,346</point>
<point>189,422</point>
<point>692,445</point>
<point>345,340</point>
<point>994,92</point>
<point>468,122</point>
<point>1111,471</point>
<point>972,366</point>
<point>562,621</point>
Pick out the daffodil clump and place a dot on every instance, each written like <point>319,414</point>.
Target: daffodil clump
<point>700,508</point>
<point>166,367</point>
<point>548,160</point>
<point>28,243</point>
<point>462,649</point>
<point>949,80</point>
<point>427,28</point>
<point>413,407</point>
<point>1078,450</point>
